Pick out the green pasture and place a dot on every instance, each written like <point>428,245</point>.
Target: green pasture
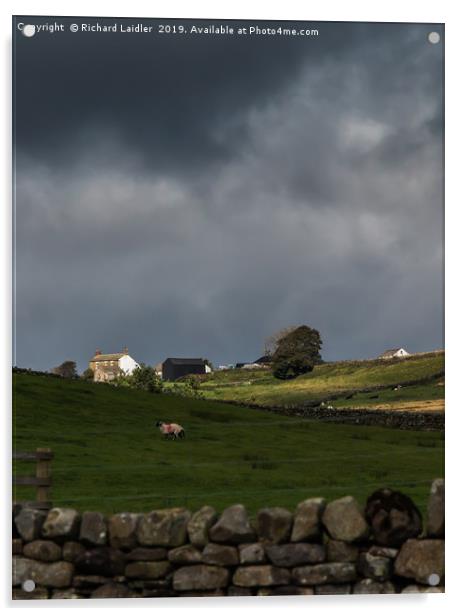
<point>260,387</point>
<point>110,457</point>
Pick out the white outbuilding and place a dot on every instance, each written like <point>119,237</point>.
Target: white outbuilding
<point>390,353</point>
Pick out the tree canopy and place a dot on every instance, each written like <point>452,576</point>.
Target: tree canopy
<point>67,370</point>
<point>297,352</point>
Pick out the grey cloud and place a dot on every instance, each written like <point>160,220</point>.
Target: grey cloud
<point>326,210</point>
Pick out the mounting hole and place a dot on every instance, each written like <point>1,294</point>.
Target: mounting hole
<point>434,579</point>
<point>434,38</point>
<point>29,30</point>
<point>28,585</point>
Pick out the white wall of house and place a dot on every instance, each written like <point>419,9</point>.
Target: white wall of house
<point>127,364</point>
<point>401,353</point>
<point>207,368</point>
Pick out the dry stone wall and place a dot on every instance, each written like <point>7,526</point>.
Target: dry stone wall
<point>322,548</point>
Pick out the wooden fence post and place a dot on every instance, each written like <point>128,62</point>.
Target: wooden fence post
<point>41,480</point>
<point>43,472</point>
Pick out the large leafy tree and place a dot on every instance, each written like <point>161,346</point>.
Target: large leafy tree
<point>67,370</point>
<point>297,352</point>
<point>272,342</point>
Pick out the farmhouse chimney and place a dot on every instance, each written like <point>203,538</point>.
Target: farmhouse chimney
<point>98,352</point>
<point>125,351</point>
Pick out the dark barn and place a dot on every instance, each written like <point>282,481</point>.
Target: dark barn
<point>175,367</point>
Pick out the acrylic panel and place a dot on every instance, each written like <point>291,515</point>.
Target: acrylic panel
<point>228,371</point>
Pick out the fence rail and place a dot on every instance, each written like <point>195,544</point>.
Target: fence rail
<point>42,481</point>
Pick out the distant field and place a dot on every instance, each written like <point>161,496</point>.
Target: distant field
<point>260,387</point>
<point>109,456</point>
<point>426,397</point>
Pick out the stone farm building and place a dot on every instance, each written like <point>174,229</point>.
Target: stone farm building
<point>394,353</point>
<point>108,366</point>
<point>175,367</point>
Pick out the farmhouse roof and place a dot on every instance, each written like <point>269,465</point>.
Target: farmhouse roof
<point>182,361</point>
<point>99,356</point>
<point>107,357</point>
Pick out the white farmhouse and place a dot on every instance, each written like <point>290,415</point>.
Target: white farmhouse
<point>390,353</point>
<point>108,366</point>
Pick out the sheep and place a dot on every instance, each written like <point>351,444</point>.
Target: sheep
<point>171,430</point>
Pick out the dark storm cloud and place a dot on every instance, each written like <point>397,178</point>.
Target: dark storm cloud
<point>243,187</point>
<point>176,100</point>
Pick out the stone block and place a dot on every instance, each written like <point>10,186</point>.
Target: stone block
<point>232,527</point>
<point>344,520</point>
<point>164,527</point>
<point>61,524</point>
<point>43,550</point>
<point>122,530</point>
<point>200,578</point>
<point>307,524</point>
<point>199,524</point>
<point>294,554</point>
<point>29,523</point>
<point>393,517</point>
<point>376,567</point>
<point>148,570</point>
<point>71,550</point>
<point>252,554</point>
<point>185,555</point>
<point>56,575</point>
<point>216,554</point>
<point>341,551</point>
<point>420,559</point>
<point>147,554</point>
<point>261,575</point>
<point>93,528</point>
<point>274,524</point>
<point>326,573</point>
<point>435,526</point>
<point>369,586</point>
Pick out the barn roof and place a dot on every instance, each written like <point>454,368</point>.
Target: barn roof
<point>183,361</point>
<point>265,359</point>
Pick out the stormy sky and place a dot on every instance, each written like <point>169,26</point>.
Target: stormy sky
<point>190,195</point>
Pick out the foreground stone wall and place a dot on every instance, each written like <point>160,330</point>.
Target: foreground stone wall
<point>321,548</point>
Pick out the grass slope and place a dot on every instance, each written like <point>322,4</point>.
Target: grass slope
<point>260,387</point>
<point>110,457</point>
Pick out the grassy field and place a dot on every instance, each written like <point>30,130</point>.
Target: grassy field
<point>260,387</point>
<point>424,397</point>
<point>109,455</point>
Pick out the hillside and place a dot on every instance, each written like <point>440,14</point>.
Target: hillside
<point>109,456</point>
<point>336,381</point>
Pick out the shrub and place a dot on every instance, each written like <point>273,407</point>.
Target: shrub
<point>88,374</point>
